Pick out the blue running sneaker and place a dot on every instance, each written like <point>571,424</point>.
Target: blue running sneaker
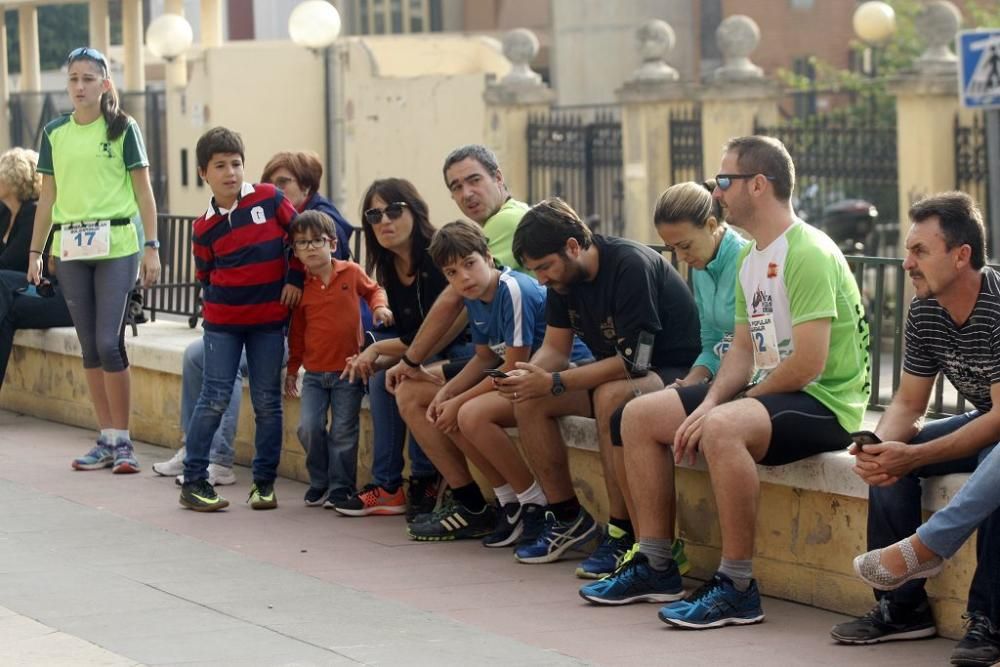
<point>716,604</point>
<point>557,537</point>
<point>532,524</point>
<point>608,554</point>
<point>636,581</point>
<point>101,456</point>
<point>125,462</point>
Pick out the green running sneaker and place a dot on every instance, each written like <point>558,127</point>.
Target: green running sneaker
<point>200,496</point>
<point>262,496</point>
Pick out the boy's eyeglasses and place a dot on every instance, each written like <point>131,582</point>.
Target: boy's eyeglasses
<point>373,216</point>
<point>88,53</point>
<point>725,181</point>
<point>315,244</point>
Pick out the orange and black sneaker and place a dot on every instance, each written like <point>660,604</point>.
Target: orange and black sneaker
<point>373,499</point>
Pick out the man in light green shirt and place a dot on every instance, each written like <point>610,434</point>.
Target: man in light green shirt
<point>476,184</point>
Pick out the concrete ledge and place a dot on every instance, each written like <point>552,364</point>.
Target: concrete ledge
<point>811,520</point>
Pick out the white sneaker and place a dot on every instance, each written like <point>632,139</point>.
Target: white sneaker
<point>174,466</point>
<point>217,476</point>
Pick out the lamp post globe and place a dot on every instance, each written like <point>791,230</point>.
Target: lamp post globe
<point>874,22</point>
<point>314,24</point>
<point>169,36</point>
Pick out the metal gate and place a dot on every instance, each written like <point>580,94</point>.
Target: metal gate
<point>577,155</point>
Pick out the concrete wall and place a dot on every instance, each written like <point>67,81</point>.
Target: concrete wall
<point>405,101</point>
<point>594,50</point>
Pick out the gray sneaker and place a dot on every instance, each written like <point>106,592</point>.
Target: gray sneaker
<point>100,456</point>
<point>887,622</point>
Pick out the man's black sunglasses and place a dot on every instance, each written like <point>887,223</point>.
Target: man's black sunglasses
<point>373,216</point>
<point>725,181</point>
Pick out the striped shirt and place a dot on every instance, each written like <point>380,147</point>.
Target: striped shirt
<point>240,259</point>
<point>967,354</point>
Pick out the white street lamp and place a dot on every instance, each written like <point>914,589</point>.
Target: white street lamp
<point>315,24</point>
<point>874,24</point>
<point>169,36</point>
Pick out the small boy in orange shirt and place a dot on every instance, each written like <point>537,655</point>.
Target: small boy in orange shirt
<point>325,330</point>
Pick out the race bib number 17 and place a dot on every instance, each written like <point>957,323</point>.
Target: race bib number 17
<point>86,240</point>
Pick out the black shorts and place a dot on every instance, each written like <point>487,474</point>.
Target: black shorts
<point>801,426</point>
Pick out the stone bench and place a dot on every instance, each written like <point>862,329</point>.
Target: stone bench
<point>812,514</point>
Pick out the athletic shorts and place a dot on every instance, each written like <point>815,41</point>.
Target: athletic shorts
<point>801,426</point>
<point>667,376</point>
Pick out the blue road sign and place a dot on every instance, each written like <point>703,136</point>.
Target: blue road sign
<point>979,68</point>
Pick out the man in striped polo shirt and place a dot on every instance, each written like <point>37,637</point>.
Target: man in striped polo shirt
<point>953,328</point>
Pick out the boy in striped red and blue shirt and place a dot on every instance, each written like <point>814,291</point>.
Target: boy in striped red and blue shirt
<point>248,286</point>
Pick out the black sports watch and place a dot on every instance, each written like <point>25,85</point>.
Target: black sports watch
<point>154,244</point>
<point>558,388</point>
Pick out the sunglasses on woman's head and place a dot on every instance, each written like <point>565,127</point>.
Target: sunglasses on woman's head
<point>87,53</point>
<point>725,181</point>
<point>373,216</point>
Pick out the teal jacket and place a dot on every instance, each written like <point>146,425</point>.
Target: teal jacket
<point>714,288</point>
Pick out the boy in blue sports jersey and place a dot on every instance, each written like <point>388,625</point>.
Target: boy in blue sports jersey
<point>466,418</point>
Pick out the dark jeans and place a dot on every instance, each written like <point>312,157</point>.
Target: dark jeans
<point>894,513</point>
<point>328,431</point>
<point>223,349</point>
<point>26,312</point>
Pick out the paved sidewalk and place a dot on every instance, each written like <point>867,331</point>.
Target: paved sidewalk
<point>110,570</point>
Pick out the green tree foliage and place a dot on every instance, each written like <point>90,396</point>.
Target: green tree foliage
<point>867,88</point>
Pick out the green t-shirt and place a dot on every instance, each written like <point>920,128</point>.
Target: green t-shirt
<point>802,276</point>
<point>92,177</point>
<point>499,231</point>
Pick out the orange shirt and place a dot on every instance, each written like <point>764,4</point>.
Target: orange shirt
<point>326,325</point>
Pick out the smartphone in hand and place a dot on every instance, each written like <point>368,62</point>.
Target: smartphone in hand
<point>862,438</point>
<point>495,373</point>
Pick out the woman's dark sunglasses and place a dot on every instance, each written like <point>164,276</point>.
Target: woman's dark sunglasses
<point>88,53</point>
<point>725,181</point>
<point>373,216</point>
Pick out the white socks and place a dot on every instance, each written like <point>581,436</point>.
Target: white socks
<point>111,436</point>
<point>505,494</point>
<point>533,495</point>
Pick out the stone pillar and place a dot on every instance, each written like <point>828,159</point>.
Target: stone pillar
<point>100,30</point>
<point>132,39</point>
<point>175,70</point>
<point>4,90</point>
<point>647,100</point>
<point>211,24</point>
<point>31,69</point>
<point>926,104</point>
<point>737,94</point>
<point>509,104</point>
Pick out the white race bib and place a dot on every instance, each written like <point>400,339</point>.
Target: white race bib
<point>765,341</point>
<point>85,240</point>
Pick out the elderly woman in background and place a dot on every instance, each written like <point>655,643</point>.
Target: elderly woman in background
<point>21,308</point>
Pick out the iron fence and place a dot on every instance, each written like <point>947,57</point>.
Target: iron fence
<point>972,170</point>
<point>840,156</point>
<point>686,155</point>
<point>576,154</point>
<point>31,112</point>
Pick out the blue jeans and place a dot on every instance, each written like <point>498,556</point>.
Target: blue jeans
<point>894,513</point>
<point>192,375</point>
<point>331,454</point>
<point>388,439</point>
<point>223,350</point>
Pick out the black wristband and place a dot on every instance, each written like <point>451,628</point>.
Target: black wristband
<point>37,252</point>
<point>409,362</point>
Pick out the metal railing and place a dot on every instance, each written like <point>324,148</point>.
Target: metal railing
<point>178,291</point>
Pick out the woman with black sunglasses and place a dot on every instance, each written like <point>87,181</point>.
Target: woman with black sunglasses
<point>397,233</point>
<point>95,180</point>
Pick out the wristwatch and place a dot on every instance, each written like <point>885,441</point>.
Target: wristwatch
<point>558,388</point>
<point>154,244</point>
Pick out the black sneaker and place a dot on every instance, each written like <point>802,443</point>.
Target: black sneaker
<point>508,527</point>
<point>262,495</point>
<point>981,644</point>
<point>422,496</point>
<point>200,496</point>
<point>532,523</point>
<point>454,522</point>
<point>314,496</point>
<point>887,622</point>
